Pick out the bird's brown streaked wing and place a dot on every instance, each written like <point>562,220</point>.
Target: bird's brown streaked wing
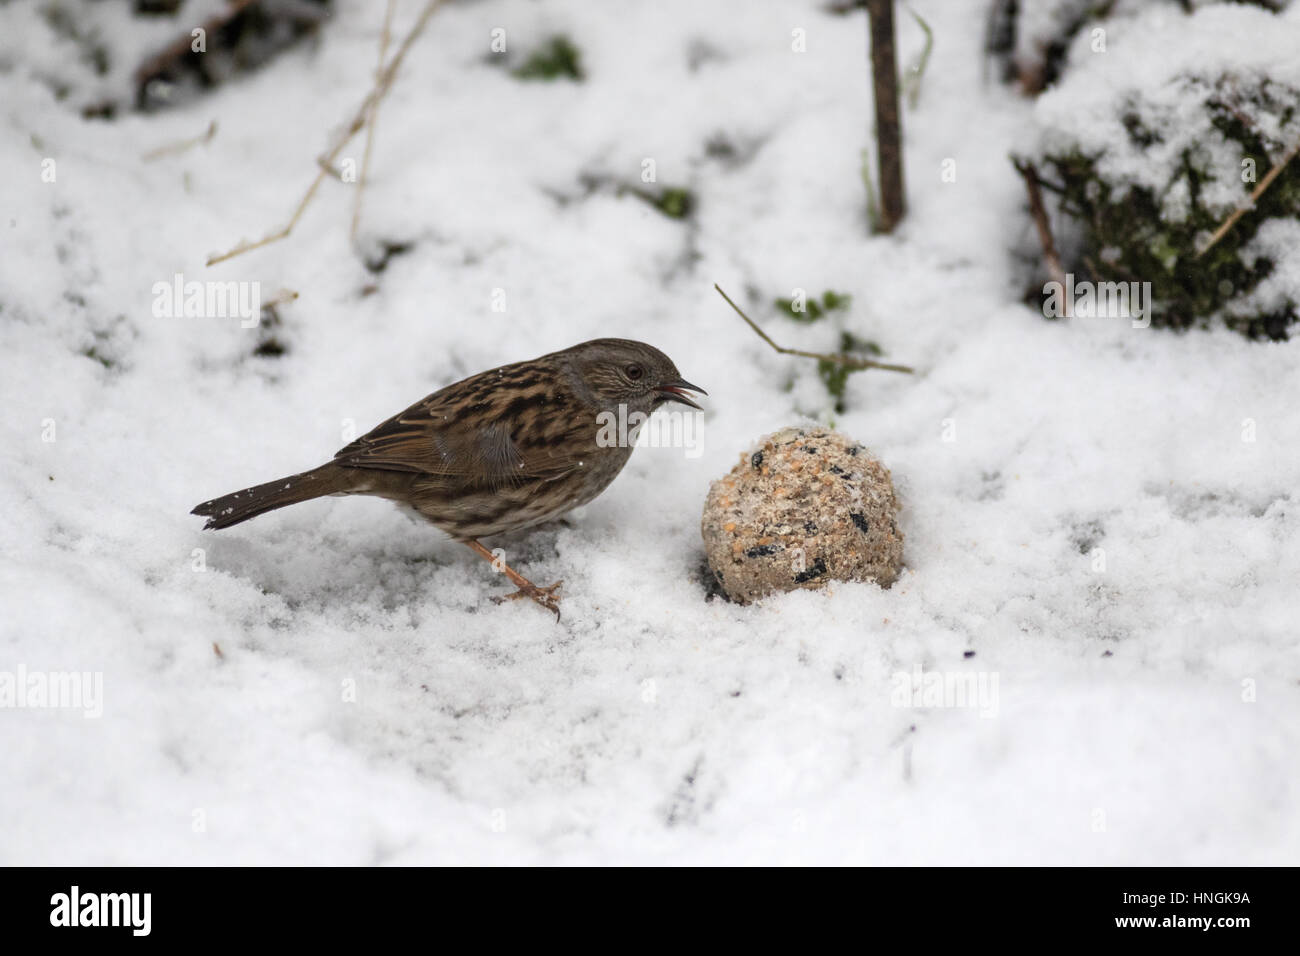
<point>452,436</point>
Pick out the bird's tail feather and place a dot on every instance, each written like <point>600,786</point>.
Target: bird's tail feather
<point>239,506</point>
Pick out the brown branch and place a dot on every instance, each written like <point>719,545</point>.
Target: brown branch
<point>1258,191</point>
<point>851,361</point>
<point>889,136</point>
<point>382,84</point>
<point>1039,212</point>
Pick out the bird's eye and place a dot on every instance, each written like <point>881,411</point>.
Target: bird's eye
<point>634,372</point>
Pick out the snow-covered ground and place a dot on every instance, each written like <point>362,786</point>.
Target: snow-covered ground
<point>1101,521</point>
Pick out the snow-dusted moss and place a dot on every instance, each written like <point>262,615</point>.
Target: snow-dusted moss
<point>1154,143</point>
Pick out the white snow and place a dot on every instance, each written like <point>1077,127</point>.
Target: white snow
<point>369,704</point>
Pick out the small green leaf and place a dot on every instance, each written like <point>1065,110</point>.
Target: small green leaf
<point>811,311</point>
<point>556,59</point>
<point>835,300</point>
<point>675,203</point>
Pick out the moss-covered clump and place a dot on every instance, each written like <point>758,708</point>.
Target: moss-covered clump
<point>1148,163</point>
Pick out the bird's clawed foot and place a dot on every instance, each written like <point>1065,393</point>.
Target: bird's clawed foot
<point>546,596</point>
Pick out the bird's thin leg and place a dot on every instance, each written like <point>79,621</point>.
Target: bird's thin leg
<point>544,596</point>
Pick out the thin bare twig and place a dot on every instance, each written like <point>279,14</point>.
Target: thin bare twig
<point>851,361</point>
<point>281,297</point>
<point>912,82</point>
<point>182,146</point>
<point>1039,212</point>
<point>326,162</point>
<point>1258,191</point>
<point>370,126</point>
<point>333,171</point>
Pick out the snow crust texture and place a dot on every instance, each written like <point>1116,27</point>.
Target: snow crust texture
<point>1091,655</point>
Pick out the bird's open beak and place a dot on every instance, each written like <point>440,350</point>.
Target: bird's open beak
<point>675,391</point>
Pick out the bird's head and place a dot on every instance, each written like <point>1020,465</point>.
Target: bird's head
<point>623,372</point>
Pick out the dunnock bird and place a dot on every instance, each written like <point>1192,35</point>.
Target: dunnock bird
<point>502,450</point>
